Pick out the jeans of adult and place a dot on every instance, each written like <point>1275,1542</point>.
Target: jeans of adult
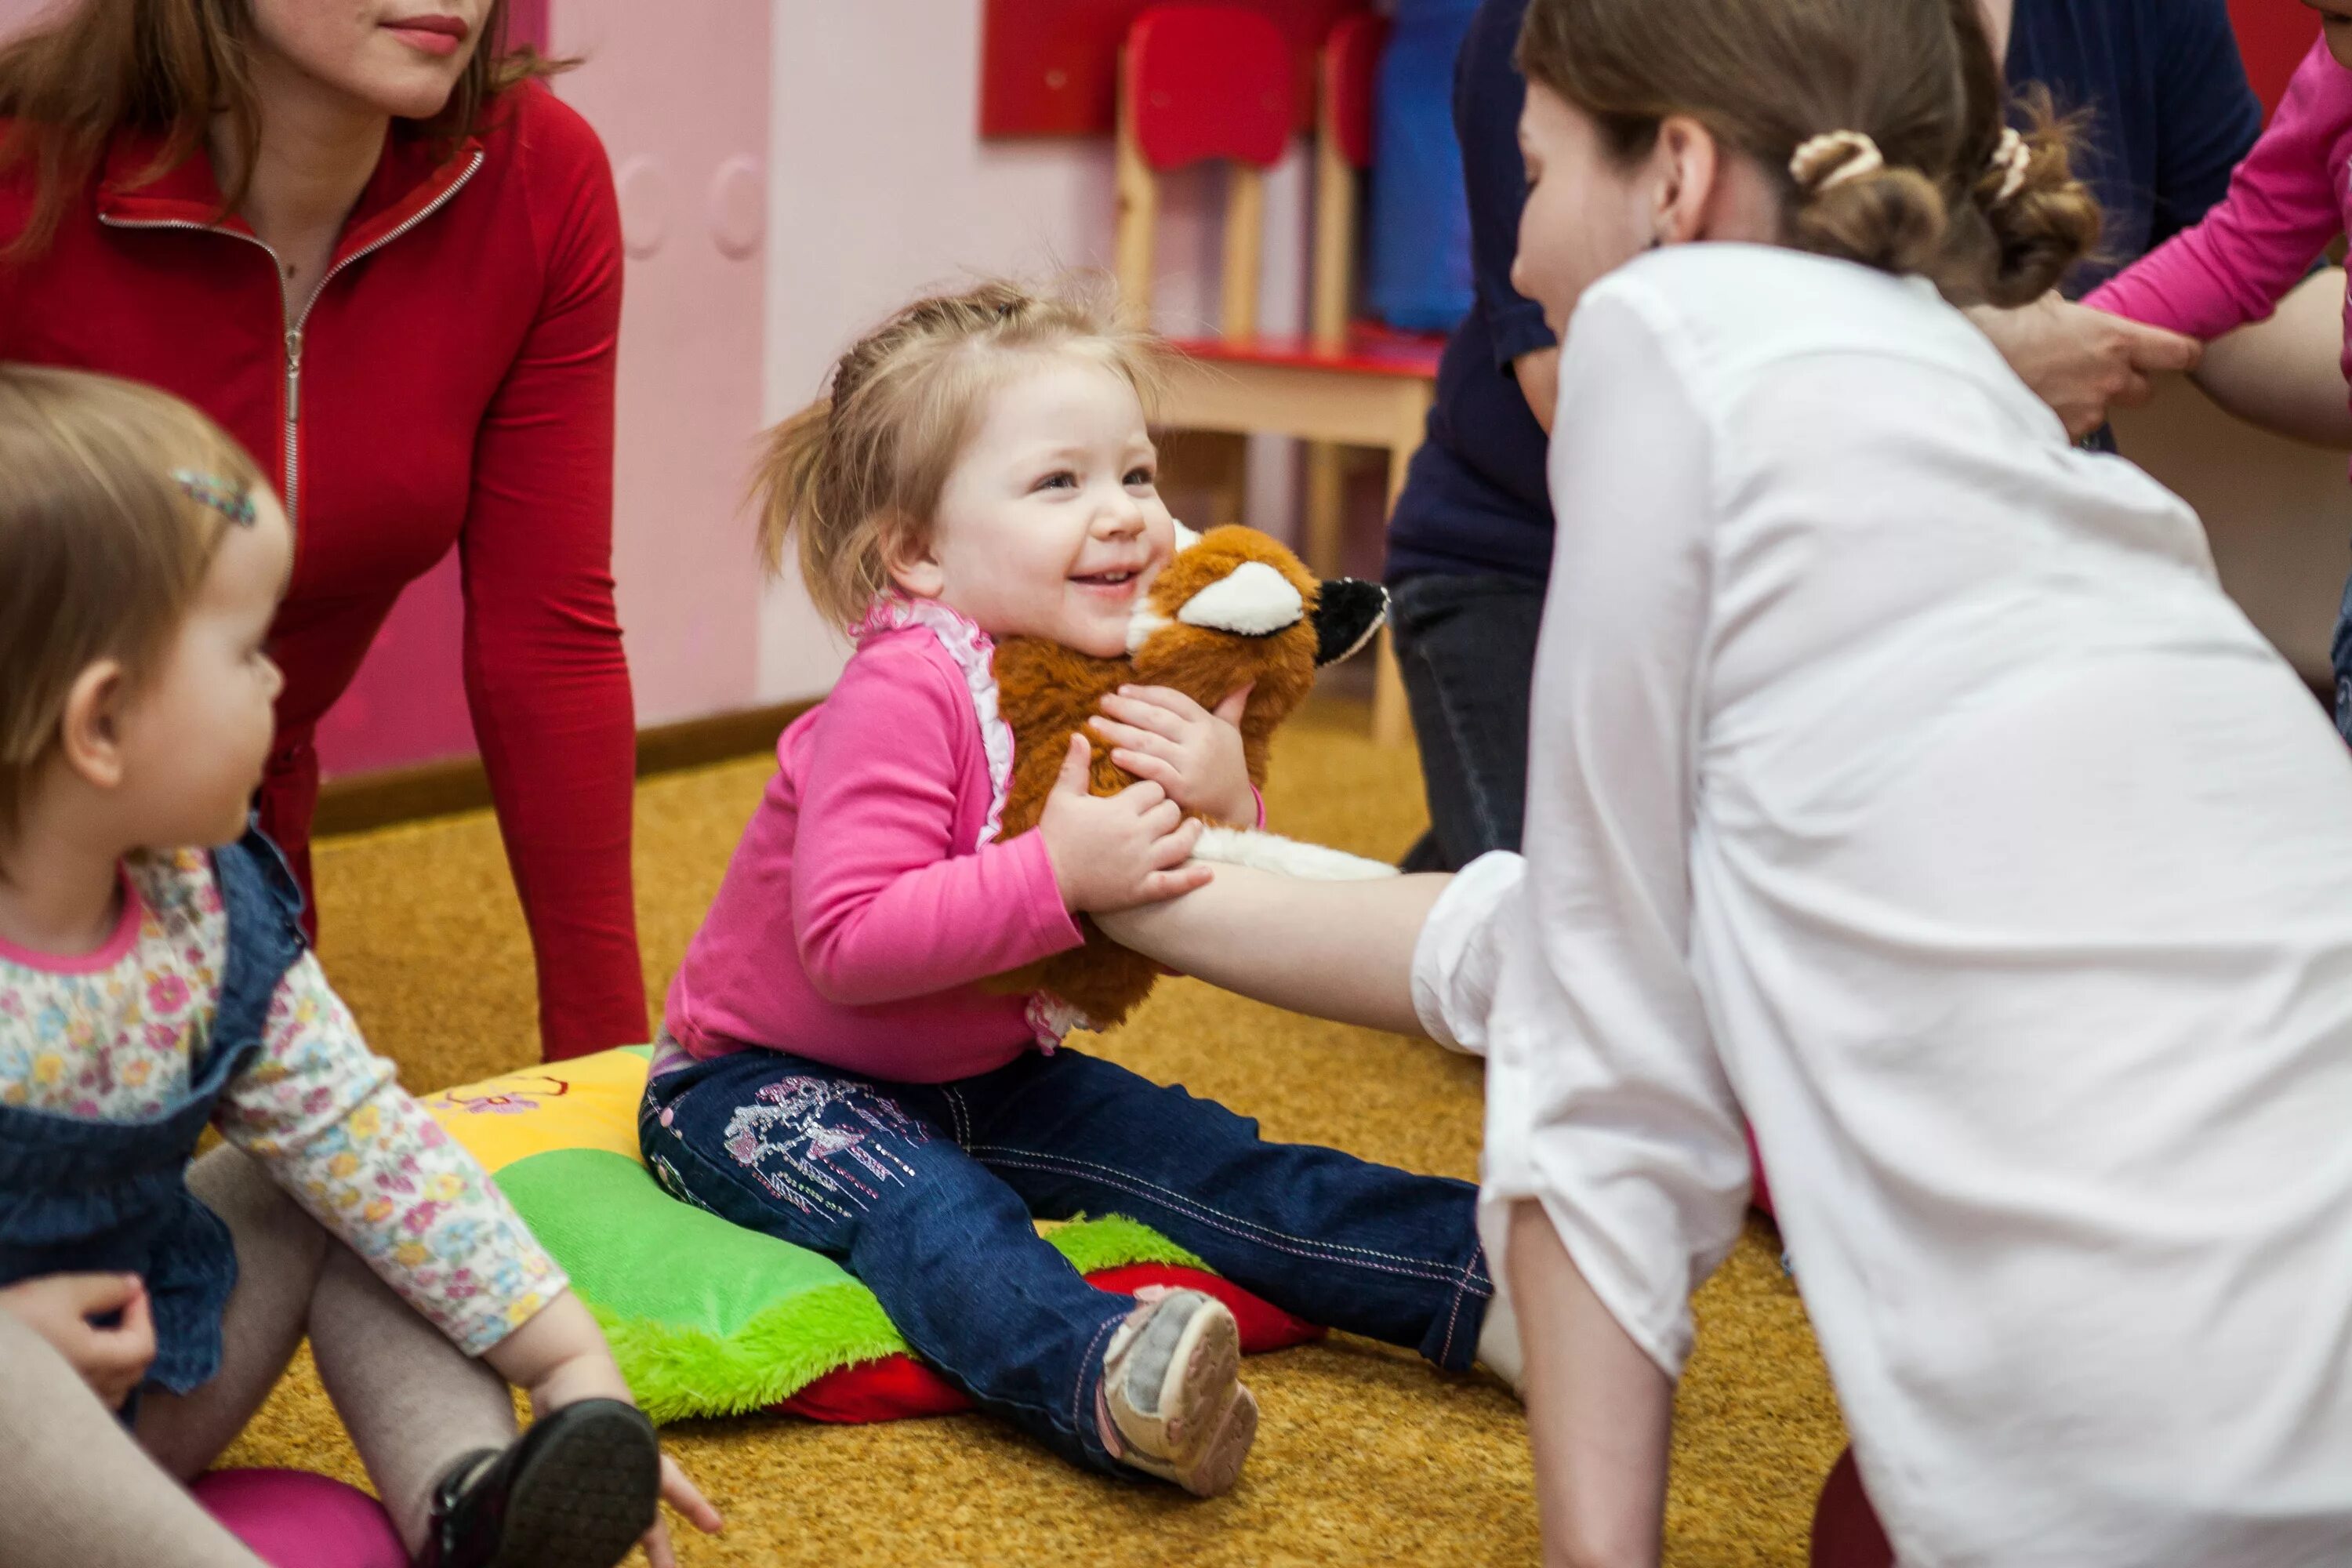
<point>926,1192</point>
<point>2340,655</point>
<point>1466,649</point>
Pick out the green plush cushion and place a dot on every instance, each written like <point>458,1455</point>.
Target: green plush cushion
<point>705,1316</point>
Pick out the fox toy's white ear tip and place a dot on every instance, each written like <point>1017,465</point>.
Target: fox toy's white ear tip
<point>1185,538</point>
<point>1252,600</point>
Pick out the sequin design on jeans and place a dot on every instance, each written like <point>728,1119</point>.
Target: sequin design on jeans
<point>818,1143</point>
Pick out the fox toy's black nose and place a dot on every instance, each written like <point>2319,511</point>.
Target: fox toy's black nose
<point>1347,611</point>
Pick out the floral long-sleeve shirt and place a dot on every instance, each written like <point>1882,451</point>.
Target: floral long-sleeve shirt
<point>111,1036</point>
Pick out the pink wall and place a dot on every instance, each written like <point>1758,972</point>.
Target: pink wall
<point>680,94</point>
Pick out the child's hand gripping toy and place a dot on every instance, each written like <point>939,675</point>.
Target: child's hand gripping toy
<point>1231,608</point>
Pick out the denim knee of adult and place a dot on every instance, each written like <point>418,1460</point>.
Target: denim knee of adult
<point>869,1174</point>
<point>2340,655</point>
<point>1466,649</point>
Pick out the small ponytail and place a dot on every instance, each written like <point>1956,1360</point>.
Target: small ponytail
<point>790,498</point>
<point>2042,218</point>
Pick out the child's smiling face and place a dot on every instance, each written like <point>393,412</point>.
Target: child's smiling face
<point>1050,524</point>
<point>2336,21</point>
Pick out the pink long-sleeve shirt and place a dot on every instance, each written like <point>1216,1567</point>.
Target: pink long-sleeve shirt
<point>859,941</point>
<point>2286,201</point>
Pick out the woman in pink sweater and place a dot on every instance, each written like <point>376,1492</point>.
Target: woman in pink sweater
<point>2287,201</point>
<point>833,1072</point>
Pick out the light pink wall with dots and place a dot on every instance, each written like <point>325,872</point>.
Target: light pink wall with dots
<point>679,93</point>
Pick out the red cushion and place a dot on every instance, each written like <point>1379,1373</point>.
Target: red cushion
<point>899,1386</point>
<point>1846,1531</point>
<point>291,1519</point>
<point>1759,1193</point>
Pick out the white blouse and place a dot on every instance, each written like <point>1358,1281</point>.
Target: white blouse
<point>1901,777</point>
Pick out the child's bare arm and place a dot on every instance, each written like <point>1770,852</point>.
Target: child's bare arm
<point>1341,951</point>
<point>2285,375</point>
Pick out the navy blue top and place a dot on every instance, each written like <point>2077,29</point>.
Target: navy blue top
<point>2171,115</point>
<point>2171,112</point>
<point>1474,500</point>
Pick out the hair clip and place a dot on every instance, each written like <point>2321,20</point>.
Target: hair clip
<point>2013,157</point>
<point>207,490</point>
<point>1830,160</point>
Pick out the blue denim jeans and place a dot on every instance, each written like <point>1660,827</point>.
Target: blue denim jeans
<point>1466,649</point>
<point>926,1192</point>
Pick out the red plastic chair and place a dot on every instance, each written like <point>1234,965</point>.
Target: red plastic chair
<point>1343,150</point>
<point>1200,83</point>
<point>1214,82</point>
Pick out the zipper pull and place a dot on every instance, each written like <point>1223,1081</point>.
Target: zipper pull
<point>293,374</point>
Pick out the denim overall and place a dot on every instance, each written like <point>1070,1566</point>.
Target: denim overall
<point>80,1197</point>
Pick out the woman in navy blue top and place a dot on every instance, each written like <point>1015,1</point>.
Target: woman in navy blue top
<point>1470,542</point>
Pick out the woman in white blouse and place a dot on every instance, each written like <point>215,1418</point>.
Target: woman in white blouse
<point>1902,780</point>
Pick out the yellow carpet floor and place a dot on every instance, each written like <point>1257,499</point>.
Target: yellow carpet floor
<point>1364,1454</point>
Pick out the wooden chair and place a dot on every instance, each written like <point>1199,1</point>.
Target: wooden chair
<point>1343,150</point>
<point>1211,82</point>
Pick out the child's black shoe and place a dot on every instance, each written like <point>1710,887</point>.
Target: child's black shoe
<point>575,1491</point>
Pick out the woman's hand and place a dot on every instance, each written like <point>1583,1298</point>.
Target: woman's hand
<point>1114,852</point>
<point>560,1358</point>
<point>59,1306</point>
<point>2083,362</point>
<point>1192,752</point>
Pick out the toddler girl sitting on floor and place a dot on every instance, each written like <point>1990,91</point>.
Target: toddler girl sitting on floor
<point>832,1071</point>
<point>148,990</point>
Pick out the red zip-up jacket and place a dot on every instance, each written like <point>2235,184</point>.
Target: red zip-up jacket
<point>450,384</point>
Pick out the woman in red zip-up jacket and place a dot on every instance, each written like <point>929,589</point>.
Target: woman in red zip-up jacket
<point>362,240</point>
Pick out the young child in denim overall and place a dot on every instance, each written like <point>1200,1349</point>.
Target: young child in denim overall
<point>833,1072</point>
<point>148,991</point>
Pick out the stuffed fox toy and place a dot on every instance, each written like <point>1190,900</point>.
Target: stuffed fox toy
<point>1231,608</point>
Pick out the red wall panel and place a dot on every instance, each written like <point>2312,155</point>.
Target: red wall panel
<point>2274,35</point>
<point>1049,67</point>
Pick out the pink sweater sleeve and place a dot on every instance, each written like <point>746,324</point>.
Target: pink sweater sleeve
<point>888,904</point>
<point>2286,201</point>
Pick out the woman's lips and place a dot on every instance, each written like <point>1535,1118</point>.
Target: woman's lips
<point>431,35</point>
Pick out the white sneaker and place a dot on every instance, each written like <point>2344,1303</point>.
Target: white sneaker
<point>1172,1392</point>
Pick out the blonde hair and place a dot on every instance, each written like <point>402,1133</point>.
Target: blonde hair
<point>858,473</point>
<point>1913,80</point>
<point>103,542</point>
